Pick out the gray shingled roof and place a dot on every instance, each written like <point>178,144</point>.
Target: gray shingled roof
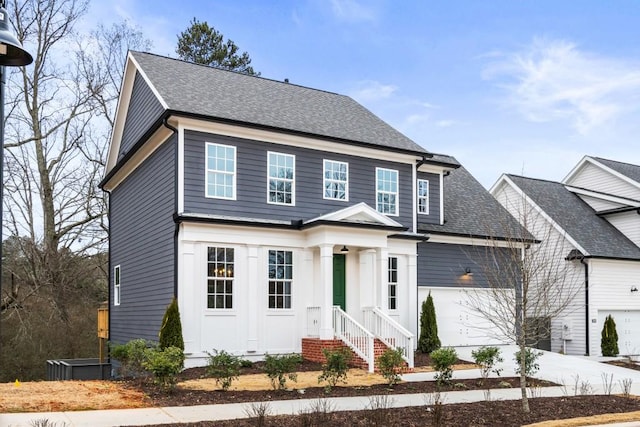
<point>470,210</point>
<point>626,169</point>
<point>211,92</point>
<point>597,236</point>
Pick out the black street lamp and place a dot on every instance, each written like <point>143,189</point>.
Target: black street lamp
<point>11,55</point>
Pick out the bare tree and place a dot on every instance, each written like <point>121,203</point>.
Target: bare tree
<point>60,114</point>
<point>530,283</point>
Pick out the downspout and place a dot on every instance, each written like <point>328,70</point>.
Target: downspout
<point>177,224</point>
<point>586,303</point>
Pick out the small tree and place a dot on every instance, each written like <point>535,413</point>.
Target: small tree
<point>224,368</point>
<point>390,364</point>
<point>443,360</point>
<point>609,341</point>
<point>335,368</point>
<point>428,340</point>
<point>171,329</point>
<point>487,358</point>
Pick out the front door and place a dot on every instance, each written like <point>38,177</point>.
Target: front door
<point>339,281</point>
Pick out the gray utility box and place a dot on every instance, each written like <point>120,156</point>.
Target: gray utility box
<point>77,369</point>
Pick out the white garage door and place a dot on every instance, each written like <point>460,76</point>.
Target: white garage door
<point>457,324</point>
<point>627,326</point>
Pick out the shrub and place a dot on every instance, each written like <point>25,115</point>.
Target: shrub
<point>224,368</point>
<point>443,359</point>
<point>390,364</point>
<point>609,341</point>
<point>164,364</point>
<point>244,363</point>
<point>486,358</point>
<point>335,368</point>
<point>171,329</point>
<point>530,362</point>
<point>281,367</point>
<point>131,356</point>
<point>428,340</point>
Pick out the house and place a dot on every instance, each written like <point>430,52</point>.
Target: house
<point>283,218</point>
<point>594,214</point>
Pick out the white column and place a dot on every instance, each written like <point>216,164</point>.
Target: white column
<point>412,300</point>
<point>382,272</point>
<point>252,298</point>
<point>367,278</point>
<point>326,284</point>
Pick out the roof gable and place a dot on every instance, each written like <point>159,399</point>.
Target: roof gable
<point>360,213</point>
<point>606,176</point>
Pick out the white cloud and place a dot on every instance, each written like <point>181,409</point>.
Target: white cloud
<point>370,90</point>
<point>352,11</point>
<point>554,80</point>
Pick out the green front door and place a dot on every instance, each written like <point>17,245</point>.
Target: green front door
<point>339,281</point>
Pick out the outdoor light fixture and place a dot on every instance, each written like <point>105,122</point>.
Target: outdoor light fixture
<point>11,55</point>
<point>468,272</point>
<point>634,289</point>
<point>344,248</point>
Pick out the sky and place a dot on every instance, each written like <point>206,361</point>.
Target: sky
<point>523,87</point>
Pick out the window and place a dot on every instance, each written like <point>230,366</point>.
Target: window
<point>221,171</point>
<point>280,278</point>
<point>116,285</point>
<point>423,196</point>
<point>393,283</point>
<point>387,191</point>
<point>220,274</point>
<point>281,178</point>
<point>336,180</point>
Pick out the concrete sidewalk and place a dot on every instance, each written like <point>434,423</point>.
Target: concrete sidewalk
<point>571,371</point>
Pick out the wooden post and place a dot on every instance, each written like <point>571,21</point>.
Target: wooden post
<point>103,329</point>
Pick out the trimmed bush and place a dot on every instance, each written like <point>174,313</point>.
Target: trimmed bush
<point>131,356</point>
<point>390,364</point>
<point>609,341</point>
<point>335,368</point>
<point>443,359</point>
<point>171,329</point>
<point>164,364</point>
<point>428,340</point>
<point>486,358</point>
<point>280,367</point>
<point>224,368</point>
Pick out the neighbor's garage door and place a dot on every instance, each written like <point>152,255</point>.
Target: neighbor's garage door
<point>627,326</point>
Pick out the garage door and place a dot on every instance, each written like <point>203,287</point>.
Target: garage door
<point>627,326</point>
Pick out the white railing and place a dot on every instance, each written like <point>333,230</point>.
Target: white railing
<point>313,321</point>
<point>354,335</point>
<point>390,332</point>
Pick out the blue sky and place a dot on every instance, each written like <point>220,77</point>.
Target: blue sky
<point>524,87</point>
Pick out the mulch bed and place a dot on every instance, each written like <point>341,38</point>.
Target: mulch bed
<point>625,364</point>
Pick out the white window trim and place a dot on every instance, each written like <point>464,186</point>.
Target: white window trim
<point>207,170</point>
<point>397,193</point>
<point>421,197</point>
<point>293,180</point>
<point>390,283</point>
<point>117,289</point>
<point>213,310</point>
<point>275,310</point>
<point>325,180</point>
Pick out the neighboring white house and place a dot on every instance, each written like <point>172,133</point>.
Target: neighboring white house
<point>594,215</point>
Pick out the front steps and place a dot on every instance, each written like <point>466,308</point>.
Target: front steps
<point>312,351</point>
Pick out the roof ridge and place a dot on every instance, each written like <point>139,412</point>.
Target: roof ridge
<point>213,67</point>
<point>533,179</point>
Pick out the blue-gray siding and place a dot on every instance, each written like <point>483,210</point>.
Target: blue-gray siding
<point>444,265</point>
<point>434,199</point>
<point>251,200</point>
<point>144,109</point>
<point>142,244</point>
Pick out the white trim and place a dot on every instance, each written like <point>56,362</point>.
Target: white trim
<point>324,180</point>
<point>472,241</point>
<point>290,140</point>
<point>293,180</point>
<point>589,159</point>
<point>539,210</point>
<point>360,209</point>
<point>418,197</point>
<point>180,171</point>
<point>397,192</point>
<point>157,139</point>
<point>117,282</point>
<point>441,198</point>
<point>414,191</point>
<point>608,197</point>
<point>234,174</point>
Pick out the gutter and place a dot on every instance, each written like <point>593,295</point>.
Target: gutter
<point>586,303</point>
<point>176,231</point>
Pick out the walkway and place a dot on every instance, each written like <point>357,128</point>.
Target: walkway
<point>567,370</point>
